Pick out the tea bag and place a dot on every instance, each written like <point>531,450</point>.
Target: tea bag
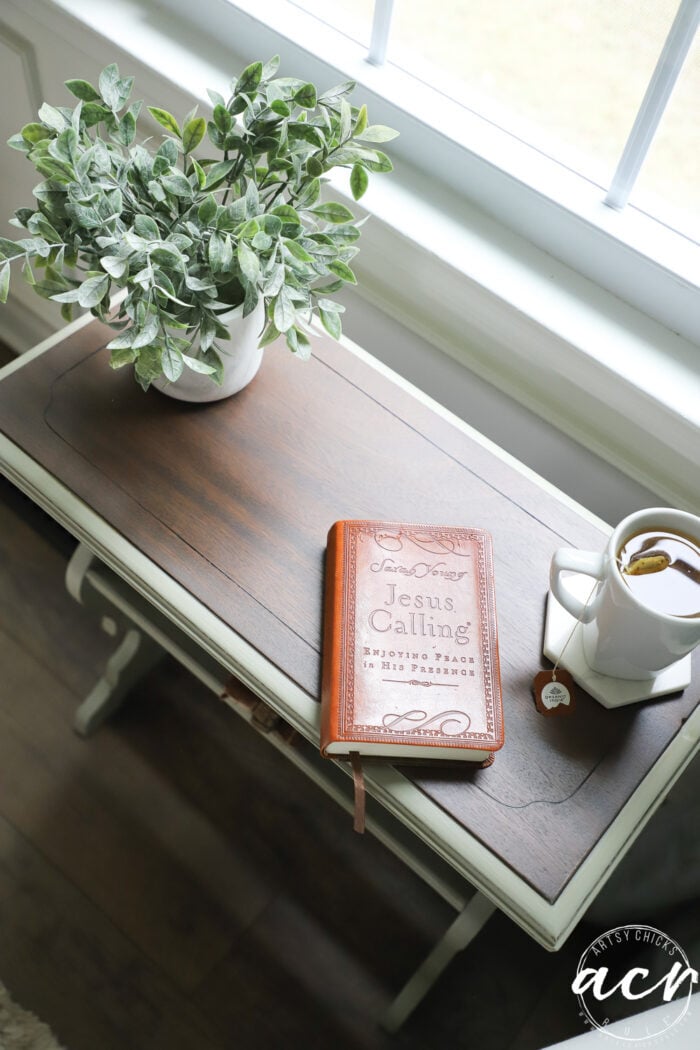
<point>642,564</point>
<point>554,691</point>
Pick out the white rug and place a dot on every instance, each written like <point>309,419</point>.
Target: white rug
<point>21,1030</point>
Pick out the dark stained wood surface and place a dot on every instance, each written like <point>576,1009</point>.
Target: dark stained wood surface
<point>234,500</point>
<point>117,853</point>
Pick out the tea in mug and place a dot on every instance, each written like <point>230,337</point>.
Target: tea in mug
<point>662,569</point>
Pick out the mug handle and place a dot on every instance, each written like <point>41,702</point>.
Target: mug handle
<point>586,562</point>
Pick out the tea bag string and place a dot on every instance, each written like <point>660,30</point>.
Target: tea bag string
<point>573,629</point>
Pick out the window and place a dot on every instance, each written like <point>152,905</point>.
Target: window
<point>492,238</point>
<point>549,93</point>
<point>568,78</point>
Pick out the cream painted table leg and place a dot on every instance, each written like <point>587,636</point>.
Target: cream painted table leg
<point>465,927</point>
<point>134,656</point>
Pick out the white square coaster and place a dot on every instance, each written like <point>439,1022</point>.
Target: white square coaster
<point>608,691</point>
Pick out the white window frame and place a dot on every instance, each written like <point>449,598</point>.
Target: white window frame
<point>513,265</point>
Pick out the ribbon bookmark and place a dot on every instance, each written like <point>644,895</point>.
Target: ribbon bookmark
<point>358,780</point>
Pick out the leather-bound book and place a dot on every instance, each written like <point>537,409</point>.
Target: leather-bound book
<point>410,648</point>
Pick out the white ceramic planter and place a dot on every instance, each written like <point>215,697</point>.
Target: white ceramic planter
<point>241,356</point>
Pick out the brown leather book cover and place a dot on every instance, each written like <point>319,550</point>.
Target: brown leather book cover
<point>410,648</point>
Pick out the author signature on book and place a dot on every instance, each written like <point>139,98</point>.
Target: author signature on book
<point>419,569</point>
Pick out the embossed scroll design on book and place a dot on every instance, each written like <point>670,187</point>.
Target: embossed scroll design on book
<point>410,657</point>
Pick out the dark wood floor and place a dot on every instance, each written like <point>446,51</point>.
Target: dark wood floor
<point>174,883</point>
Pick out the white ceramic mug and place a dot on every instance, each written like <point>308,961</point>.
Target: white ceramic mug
<point>622,637</point>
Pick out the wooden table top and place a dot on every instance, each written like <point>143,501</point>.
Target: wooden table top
<point>234,501</point>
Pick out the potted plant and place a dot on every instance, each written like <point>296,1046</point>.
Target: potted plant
<point>214,214</point>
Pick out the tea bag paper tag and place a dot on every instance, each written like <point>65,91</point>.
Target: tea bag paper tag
<point>554,692</point>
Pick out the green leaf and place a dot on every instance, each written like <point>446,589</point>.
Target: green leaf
<point>378,162</point>
<point>269,335</point>
<point>274,281</point>
<point>92,113</point>
<point>295,249</point>
<point>342,270</point>
<point>122,356</point>
<point>216,98</point>
<point>280,107</point>
<point>144,277</point>
<point>249,78</point>
<point>156,190</point>
<point>251,299</point>
<point>199,284</point>
<point>9,249</point>
<point>307,133</point>
<point>376,133</point>
<point>198,366</point>
<point>66,297</point>
<point>109,78</point>
<point>310,194</point>
<point>168,255</point>
<point>359,180</point>
<point>252,199</point>
<point>177,184</point>
<point>328,289</point>
<point>92,291</point>
<point>199,172</point>
<point>344,234</point>
<point>211,358</point>
<point>314,167</point>
<point>248,262</point>
<point>53,117</point>
<point>333,212</point>
<point>34,133</point>
<point>123,340</point>
<point>88,218</point>
<point>172,363</point>
<point>114,265</point>
<point>322,246</point>
<point>331,322</point>
<point>126,132</point>
<point>28,273</point>
<point>64,147</point>
<point>83,89</point>
<point>222,118</point>
<point>298,343</point>
<point>147,333</point>
<point>271,67</point>
<point>113,89</point>
<point>35,246</point>
<point>146,227</point>
<point>167,153</point>
<point>345,120</point>
<point>220,252</point>
<point>287,214</point>
<point>218,172</point>
<point>305,96</point>
<point>4,281</point>
<point>250,228</point>
<point>261,241</point>
<point>332,95</point>
<point>147,364</point>
<point>361,121</point>
<point>283,313</point>
<point>193,134</point>
<point>207,209</point>
<point>165,119</point>
<point>272,224</point>
<point>18,143</point>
